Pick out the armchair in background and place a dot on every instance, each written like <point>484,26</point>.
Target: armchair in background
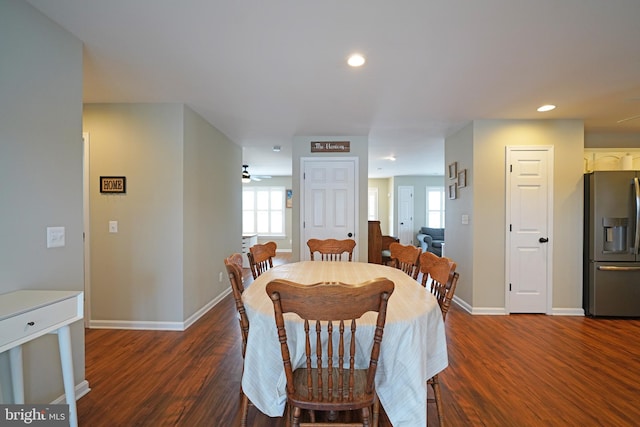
<point>431,239</point>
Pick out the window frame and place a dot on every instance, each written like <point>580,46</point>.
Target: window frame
<point>255,189</point>
<point>372,202</point>
<point>441,211</point>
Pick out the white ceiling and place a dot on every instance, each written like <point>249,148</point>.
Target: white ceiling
<point>263,72</point>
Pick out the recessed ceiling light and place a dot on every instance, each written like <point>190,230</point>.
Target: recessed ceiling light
<point>547,107</point>
<point>356,60</point>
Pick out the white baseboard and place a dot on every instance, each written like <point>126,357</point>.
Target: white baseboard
<point>158,326</point>
<point>567,312</point>
<point>501,311</point>
<point>80,390</point>
<point>198,314</point>
<point>463,304</point>
<point>486,311</point>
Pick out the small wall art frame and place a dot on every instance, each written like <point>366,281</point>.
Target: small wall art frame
<point>462,178</point>
<point>453,170</point>
<point>289,200</point>
<point>453,191</point>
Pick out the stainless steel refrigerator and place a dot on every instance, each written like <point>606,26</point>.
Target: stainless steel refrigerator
<point>612,243</point>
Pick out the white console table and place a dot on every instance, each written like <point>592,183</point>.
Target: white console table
<point>27,315</point>
<point>248,240</point>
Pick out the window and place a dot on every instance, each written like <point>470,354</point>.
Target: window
<point>372,202</point>
<point>263,210</point>
<point>435,207</point>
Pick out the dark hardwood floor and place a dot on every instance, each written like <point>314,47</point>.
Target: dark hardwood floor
<point>518,370</point>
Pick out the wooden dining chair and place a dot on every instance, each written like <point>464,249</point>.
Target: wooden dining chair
<point>261,257</point>
<point>438,272</point>
<point>329,380</point>
<point>233,265</point>
<point>405,258</point>
<point>440,277</point>
<point>332,249</point>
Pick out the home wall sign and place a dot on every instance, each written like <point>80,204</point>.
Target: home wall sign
<point>113,184</point>
<point>330,146</point>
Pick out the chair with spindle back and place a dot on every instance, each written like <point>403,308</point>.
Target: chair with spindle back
<point>440,277</point>
<point>405,258</point>
<point>233,265</point>
<point>261,257</point>
<point>331,249</point>
<point>329,312</point>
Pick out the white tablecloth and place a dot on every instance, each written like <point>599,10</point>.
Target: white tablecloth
<point>413,345</point>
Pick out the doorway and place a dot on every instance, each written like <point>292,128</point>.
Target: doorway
<point>529,203</point>
<point>328,208</point>
<point>405,214</point>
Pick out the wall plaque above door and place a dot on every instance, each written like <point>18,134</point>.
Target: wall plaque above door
<point>330,146</point>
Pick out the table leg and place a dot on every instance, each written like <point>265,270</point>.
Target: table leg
<point>64,342</point>
<point>17,381</point>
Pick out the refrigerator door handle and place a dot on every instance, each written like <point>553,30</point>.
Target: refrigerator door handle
<point>617,268</point>
<point>636,242</point>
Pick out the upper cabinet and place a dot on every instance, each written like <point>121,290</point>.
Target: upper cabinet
<point>606,159</point>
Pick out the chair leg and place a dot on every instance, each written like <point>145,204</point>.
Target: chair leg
<point>244,408</point>
<point>435,384</point>
<point>287,415</point>
<point>365,417</point>
<point>376,412</point>
<point>296,416</point>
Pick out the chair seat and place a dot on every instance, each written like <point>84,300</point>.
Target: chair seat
<point>360,398</point>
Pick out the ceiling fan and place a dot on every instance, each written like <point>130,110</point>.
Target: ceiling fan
<point>247,178</point>
<point>637,116</point>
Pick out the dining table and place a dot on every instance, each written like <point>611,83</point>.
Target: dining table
<point>413,346</point>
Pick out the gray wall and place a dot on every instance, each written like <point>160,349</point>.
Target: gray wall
<point>41,175</point>
<point>480,147</point>
<point>611,140</point>
<point>211,204</point>
<point>459,238</point>
<point>360,150</point>
<point>177,221</point>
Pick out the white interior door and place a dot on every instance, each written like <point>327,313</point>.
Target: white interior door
<point>329,208</point>
<point>529,207</point>
<point>405,214</point>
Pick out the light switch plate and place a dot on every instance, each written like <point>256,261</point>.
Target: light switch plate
<point>465,219</point>
<point>113,226</point>
<point>55,237</point>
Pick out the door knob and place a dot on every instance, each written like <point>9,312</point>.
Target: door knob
<point>350,235</point>
<point>543,240</point>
